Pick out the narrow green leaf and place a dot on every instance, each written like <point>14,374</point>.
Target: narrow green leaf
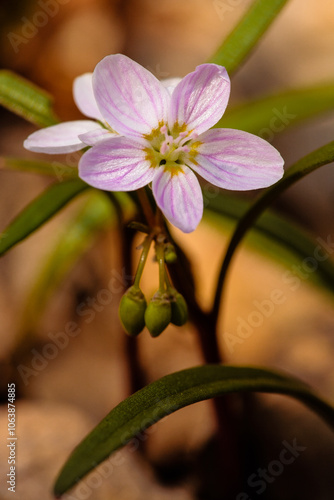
<point>247,33</point>
<point>300,169</point>
<point>94,215</point>
<point>52,169</point>
<point>275,113</point>
<point>26,99</point>
<point>280,231</point>
<point>171,393</point>
<point>39,211</point>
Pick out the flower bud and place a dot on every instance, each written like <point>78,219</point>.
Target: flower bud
<point>170,253</point>
<point>158,313</point>
<point>132,311</point>
<point>179,308</point>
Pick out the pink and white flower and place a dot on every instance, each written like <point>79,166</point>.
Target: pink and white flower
<point>149,131</point>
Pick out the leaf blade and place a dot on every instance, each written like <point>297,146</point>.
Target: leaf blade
<point>170,393</point>
<point>52,169</point>
<point>93,216</point>
<point>247,33</point>
<point>283,110</point>
<point>39,211</point>
<point>278,229</point>
<point>26,99</point>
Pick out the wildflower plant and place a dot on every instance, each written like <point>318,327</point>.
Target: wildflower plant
<point>148,144</point>
<point>148,132</point>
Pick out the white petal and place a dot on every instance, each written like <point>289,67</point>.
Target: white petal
<point>179,196</point>
<point>61,138</point>
<point>237,160</point>
<point>117,164</point>
<point>129,97</point>
<point>94,136</point>
<point>200,99</point>
<point>84,96</point>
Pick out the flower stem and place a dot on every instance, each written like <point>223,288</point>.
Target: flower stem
<point>143,258</point>
<point>168,281</point>
<point>159,249</point>
<point>146,207</point>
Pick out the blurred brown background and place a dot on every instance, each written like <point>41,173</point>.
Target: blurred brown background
<point>52,42</point>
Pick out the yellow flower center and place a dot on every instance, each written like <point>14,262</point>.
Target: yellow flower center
<point>171,149</point>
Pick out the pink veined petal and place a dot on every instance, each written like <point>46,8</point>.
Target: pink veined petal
<point>179,196</point>
<point>200,99</point>
<point>129,97</point>
<point>170,84</point>
<point>116,164</point>
<point>84,96</point>
<point>95,136</point>
<point>61,138</point>
<point>237,160</point>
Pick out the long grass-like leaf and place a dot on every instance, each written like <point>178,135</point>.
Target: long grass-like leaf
<point>39,211</point>
<point>273,114</point>
<point>279,231</point>
<point>95,214</point>
<point>51,169</point>
<point>26,99</point>
<point>171,393</point>
<point>247,33</point>
<point>300,169</point>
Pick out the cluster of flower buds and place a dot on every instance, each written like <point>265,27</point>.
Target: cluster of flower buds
<point>166,306</point>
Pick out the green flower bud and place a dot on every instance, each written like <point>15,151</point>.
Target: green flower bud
<point>158,313</point>
<point>179,308</point>
<point>170,253</point>
<point>132,311</point>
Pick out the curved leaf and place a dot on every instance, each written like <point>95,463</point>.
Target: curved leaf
<point>52,169</point>
<point>26,99</point>
<point>171,393</point>
<point>247,33</point>
<point>300,169</point>
<point>39,211</point>
<point>278,230</point>
<point>273,114</point>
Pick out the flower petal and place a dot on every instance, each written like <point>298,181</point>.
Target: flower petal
<point>233,159</point>
<point>94,136</point>
<point>84,96</point>
<point>179,196</point>
<point>116,164</point>
<point>201,97</point>
<point>61,138</point>
<point>129,97</point>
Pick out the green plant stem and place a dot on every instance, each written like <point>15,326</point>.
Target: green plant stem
<point>135,373</point>
<point>159,250</point>
<point>168,282</point>
<point>183,280</point>
<point>300,169</point>
<point>143,258</point>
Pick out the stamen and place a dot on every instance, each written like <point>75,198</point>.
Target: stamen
<point>183,134</point>
<point>171,147</point>
<point>164,147</point>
